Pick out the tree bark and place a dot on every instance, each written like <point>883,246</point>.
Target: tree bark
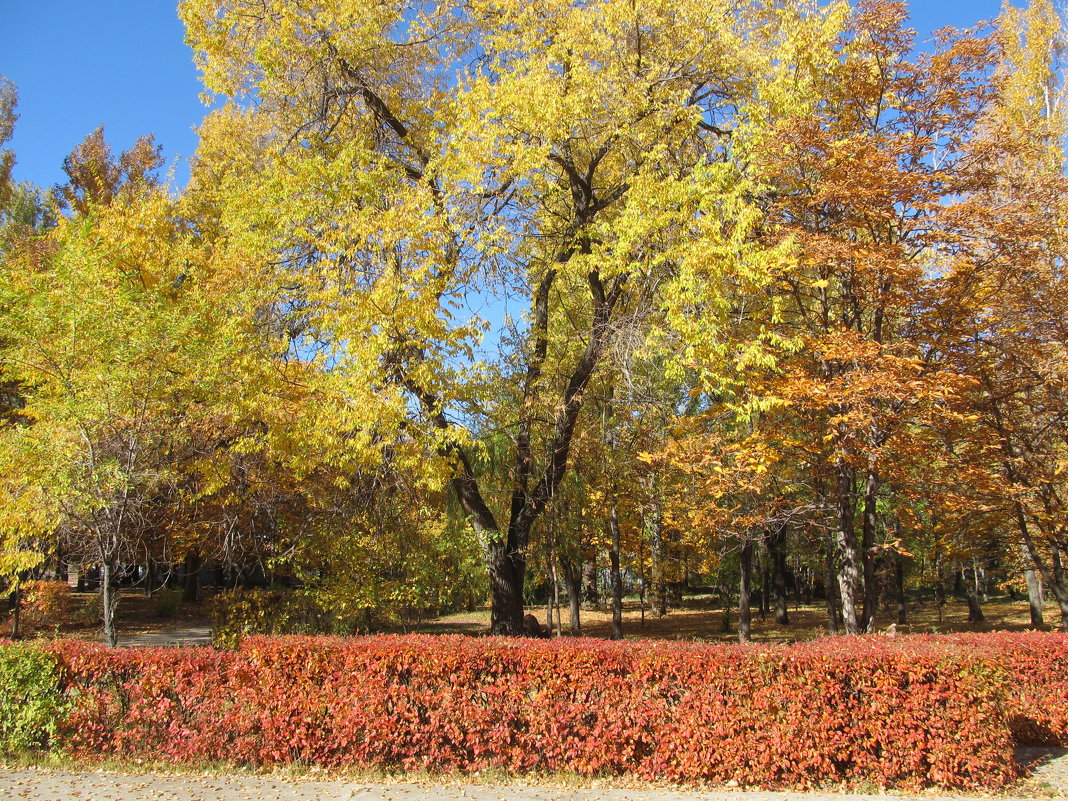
<point>899,586</point>
<point>191,578</point>
<point>850,567</point>
<point>591,592</point>
<point>617,577</point>
<point>744,592</point>
<point>777,553</point>
<point>831,582</point>
<point>109,600</point>
<point>1034,592</point>
<point>573,582</point>
<point>16,611</point>
<point>871,586</point>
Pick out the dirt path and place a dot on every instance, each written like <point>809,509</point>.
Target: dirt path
<point>1050,780</point>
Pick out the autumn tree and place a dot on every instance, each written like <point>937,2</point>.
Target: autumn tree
<point>407,154</point>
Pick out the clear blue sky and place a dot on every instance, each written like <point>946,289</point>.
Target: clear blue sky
<point>80,63</point>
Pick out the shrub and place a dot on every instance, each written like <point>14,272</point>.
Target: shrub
<point>899,713</point>
<point>45,604</point>
<point>31,697</point>
<point>166,602</point>
<point>240,613</point>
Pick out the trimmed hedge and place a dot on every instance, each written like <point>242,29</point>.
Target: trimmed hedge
<point>904,712</point>
<point>32,699</point>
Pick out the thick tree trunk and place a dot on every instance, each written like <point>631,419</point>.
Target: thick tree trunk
<point>745,621</point>
<point>777,554</point>
<point>1034,592</point>
<point>191,577</point>
<point>850,561</point>
<point>573,582</point>
<point>506,590</point>
<point>617,577</point>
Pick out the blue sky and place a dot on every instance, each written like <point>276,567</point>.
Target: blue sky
<point>80,63</point>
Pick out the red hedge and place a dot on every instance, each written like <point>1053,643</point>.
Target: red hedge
<point>904,712</point>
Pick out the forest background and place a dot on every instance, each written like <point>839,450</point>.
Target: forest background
<point>786,293</point>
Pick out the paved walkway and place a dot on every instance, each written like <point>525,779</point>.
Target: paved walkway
<point>192,635</point>
<point>56,785</point>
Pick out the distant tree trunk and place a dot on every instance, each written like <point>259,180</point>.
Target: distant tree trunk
<point>727,596</point>
<point>591,595</point>
<point>744,592</point>
<point>899,585</point>
<point>16,611</point>
<point>765,581</point>
<point>191,577</point>
<point>617,577</point>
<point>659,599</point>
<point>573,582</point>
<point>975,611</point>
<point>777,554</point>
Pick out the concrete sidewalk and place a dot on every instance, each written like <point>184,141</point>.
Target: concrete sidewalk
<point>33,784</point>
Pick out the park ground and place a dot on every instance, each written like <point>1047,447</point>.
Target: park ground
<point>1049,780</point>
<point>696,618</point>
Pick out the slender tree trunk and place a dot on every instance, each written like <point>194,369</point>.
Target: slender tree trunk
<point>871,586</point>
<point>744,592</point>
<point>765,584</point>
<point>777,554</point>
<point>617,578</point>
<point>899,586</point>
<point>591,594</point>
<point>831,582</point>
<point>16,610</point>
<point>109,601</point>
<point>660,593</point>
<point>975,610</point>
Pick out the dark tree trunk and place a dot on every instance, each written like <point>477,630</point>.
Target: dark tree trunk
<point>16,611</point>
<point>191,577</point>
<point>830,592</point>
<point>871,586</point>
<point>765,585</point>
<point>745,621</point>
<point>506,590</point>
<point>899,586</point>
<point>975,611</point>
<point>777,553</point>
<point>591,593</point>
<point>617,578</point>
